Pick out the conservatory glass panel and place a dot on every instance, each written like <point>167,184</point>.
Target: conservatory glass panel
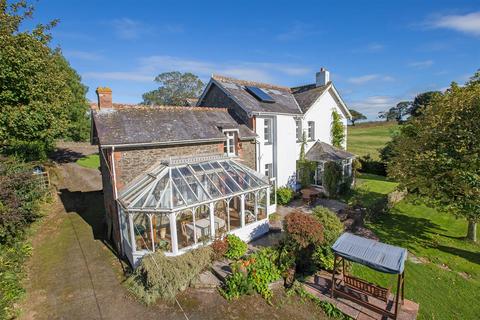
<point>235,216</point>
<point>162,237</point>
<point>202,223</point>
<point>220,218</point>
<point>183,187</point>
<point>208,185</point>
<point>185,229</point>
<point>262,204</point>
<point>141,230</point>
<point>234,174</point>
<point>250,208</point>
<point>229,181</point>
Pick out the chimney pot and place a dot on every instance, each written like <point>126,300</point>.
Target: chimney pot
<point>323,77</point>
<point>104,95</point>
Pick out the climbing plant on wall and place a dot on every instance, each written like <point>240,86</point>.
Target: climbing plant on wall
<point>337,130</point>
<point>305,168</point>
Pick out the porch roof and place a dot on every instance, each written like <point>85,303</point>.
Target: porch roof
<point>322,151</point>
<point>374,254</point>
<point>179,184</point>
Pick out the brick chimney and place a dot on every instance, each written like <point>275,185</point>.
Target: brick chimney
<point>323,77</point>
<point>104,95</point>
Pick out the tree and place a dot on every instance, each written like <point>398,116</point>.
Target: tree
<point>436,154</point>
<point>422,101</point>
<point>337,131</point>
<point>356,116</point>
<point>175,87</point>
<point>397,112</point>
<point>41,96</point>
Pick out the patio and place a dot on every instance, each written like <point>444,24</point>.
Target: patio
<point>184,203</point>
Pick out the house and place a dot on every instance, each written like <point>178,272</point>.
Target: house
<point>175,178</point>
<point>281,116</point>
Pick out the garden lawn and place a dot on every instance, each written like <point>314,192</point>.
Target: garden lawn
<point>446,283</point>
<point>367,138</point>
<point>91,161</point>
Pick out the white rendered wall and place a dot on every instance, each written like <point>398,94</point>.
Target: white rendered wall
<point>321,114</point>
<point>265,151</point>
<point>287,151</point>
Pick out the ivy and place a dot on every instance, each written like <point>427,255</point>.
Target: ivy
<point>337,130</point>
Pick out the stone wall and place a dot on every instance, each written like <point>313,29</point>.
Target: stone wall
<point>246,152</point>
<point>131,163</point>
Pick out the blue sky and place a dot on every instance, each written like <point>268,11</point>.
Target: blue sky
<point>378,52</point>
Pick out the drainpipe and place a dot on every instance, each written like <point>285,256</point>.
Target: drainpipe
<point>115,196</point>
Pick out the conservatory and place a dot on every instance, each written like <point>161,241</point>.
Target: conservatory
<point>182,204</point>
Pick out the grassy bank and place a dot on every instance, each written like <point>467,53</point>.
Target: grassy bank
<point>367,138</point>
<point>443,272</point>
<point>91,161</point>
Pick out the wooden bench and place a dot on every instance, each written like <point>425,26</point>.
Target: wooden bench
<point>367,288</point>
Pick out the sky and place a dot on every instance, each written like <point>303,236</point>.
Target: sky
<point>378,52</point>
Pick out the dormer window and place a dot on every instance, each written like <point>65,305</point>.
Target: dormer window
<point>229,144</point>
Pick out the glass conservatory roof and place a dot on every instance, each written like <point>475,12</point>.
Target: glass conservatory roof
<point>170,187</point>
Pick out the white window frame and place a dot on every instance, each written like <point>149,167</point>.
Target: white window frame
<point>298,130</point>
<point>311,130</point>
<point>268,170</point>
<point>268,131</point>
<point>229,143</point>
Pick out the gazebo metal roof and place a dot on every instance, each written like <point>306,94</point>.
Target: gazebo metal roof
<point>374,254</point>
<point>170,187</point>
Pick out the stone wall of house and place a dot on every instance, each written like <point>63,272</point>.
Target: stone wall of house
<point>130,163</point>
<point>215,97</point>
<point>111,213</point>
<point>246,152</point>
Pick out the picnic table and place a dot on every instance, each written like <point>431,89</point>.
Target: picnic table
<point>203,226</point>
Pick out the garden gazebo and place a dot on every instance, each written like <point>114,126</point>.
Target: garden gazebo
<point>183,203</point>
<point>376,255</point>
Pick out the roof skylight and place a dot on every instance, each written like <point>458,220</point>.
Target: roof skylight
<point>259,94</point>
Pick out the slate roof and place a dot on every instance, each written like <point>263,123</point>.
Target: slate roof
<point>284,99</point>
<point>308,94</point>
<point>322,151</point>
<point>164,125</point>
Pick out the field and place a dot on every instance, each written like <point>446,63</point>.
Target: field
<point>367,138</point>
<point>443,269</point>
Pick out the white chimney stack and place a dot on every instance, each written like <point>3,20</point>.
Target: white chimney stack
<point>323,77</point>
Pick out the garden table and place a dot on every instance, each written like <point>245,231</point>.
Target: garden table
<point>203,226</point>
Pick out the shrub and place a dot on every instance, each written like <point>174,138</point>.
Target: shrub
<point>274,217</point>
<point>236,247</point>
<point>323,257</point>
<point>333,177</point>
<point>254,273</point>
<point>220,247</point>
<point>163,277</point>
<point>332,226</point>
<point>284,195</point>
<point>369,165</point>
<point>302,229</point>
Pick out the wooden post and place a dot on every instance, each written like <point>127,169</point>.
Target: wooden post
<point>333,275</point>
<point>397,295</point>
<point>403,287</point>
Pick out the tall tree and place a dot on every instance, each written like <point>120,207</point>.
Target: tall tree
<point>356,116</point>
<point>422,101</point>
<point>41,96</point>
<point>175,87</point>
<point>397,112</point>
<point>437,154</point>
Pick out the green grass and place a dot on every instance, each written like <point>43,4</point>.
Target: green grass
<point>91,161</point>
<point>437,284</point>
<point>367,138</point>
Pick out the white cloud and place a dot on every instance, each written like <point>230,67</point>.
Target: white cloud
<point>296,31</point>
<point>371,106</point>
<point>468,23</point>
<point>421,64</point>
<point>126,28</point>
<point>83,55</point>
<point>368,78</point>
<point>149,67</point>
<point>371,48</point>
